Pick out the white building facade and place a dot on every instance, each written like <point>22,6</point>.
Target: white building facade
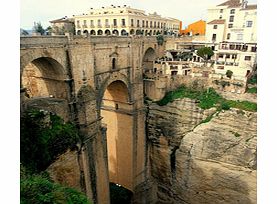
<point>231,32</point>
<point>122,21</point>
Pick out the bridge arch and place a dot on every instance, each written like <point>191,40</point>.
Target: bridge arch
<point>113,77</point>
<point>44,76</point>
<point>148,60</point>
<point>117,118</point>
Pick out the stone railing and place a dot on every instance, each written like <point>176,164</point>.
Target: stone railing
<point>31,41</point>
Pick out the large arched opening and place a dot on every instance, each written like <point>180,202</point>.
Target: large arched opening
<point>44,77</point>
<point>117,117</point>
<point>148,60</point>
<point>148,73</point>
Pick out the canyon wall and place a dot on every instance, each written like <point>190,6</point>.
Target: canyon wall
<point>194,162</point>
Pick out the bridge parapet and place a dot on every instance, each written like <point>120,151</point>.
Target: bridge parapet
<point>42,41</point>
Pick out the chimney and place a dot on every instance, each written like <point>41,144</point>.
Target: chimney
<point>243,3</point>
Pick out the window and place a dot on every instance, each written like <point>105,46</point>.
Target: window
<point>249,23</point>
<point>146,24</point>
<point>107,22</point>
<point>232,47</point>
<point>99,22</point>
<point>240,36</point>
<point>220,56</point>
<point>215,26</point>
<point>253,49</point>
<point>137,23</point>
<point>143,23</point>
<point>220,17</point>
<point>238,47</point>
<point>132,22</point>
<point>244,48</point>
<point>232,11</point>
<point>114,22</point>
<point>228,36</point>
<point>174,73</point>
<point>150,24</point>
<point>158,24</point>
<point>123,22</point>
<point>247,58</point>
<point>155,24</point>
<point>231,19</point>
<point>113,63</point>
<point>234,56</point>
<point>230,25</point>
<point>91,23</point>
<point>214,37</point>
<point>227,56</point>
<point>85,23</point>
<point>221,10</point>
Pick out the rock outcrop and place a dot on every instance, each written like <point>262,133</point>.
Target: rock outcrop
<point>66,170</point>
<point>194,162</point>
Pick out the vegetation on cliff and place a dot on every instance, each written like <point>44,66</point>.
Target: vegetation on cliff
<point>40,189</point>
<point>207,98</point>
<point>44,136</point>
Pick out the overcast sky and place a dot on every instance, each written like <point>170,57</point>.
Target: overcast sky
<point>43,11</point>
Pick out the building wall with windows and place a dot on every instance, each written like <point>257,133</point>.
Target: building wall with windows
<point>236,39</point>
<point>116,20</point>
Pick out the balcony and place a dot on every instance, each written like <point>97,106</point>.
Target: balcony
<point>99,26</point>
<point>107,26</point>
<point>92,26</point>
<point>84,26</point>
<point>123,25</point>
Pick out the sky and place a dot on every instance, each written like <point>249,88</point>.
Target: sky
<point>188,11</point>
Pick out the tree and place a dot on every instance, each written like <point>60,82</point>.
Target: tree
<point>229,74</point>
<point>160,39</point>
<point>205,53</point>
<point>38,28</point>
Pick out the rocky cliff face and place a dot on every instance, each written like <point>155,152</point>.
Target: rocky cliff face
<point>194,162</point>
<point>67,171</point>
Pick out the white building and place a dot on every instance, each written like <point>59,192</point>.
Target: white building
<point>173,67</point>
<point>116,20</point>
<point>231,32</point>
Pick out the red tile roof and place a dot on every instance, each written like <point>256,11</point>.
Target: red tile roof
<point>217,21</point>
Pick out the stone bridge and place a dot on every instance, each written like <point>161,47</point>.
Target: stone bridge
<point>100,82</point>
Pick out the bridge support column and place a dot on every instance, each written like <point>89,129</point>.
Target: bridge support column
<point>95,165</point>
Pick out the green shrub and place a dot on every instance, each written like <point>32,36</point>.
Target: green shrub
<point>243,105</point>
<point>252,90</point>
<point>229,73</point>
<point>225,106</point>
<point>43,137</point>
<point>39,189</point>
<point>253,79</point>
<point>207,98</point>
